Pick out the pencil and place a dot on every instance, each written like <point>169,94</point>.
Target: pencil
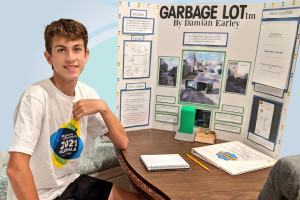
<point>197,162</point>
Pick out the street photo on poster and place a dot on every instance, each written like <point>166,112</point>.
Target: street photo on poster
<point>202,118</point>
<point>237,77</point>
<point>201,77</point>
<point>167,73</point>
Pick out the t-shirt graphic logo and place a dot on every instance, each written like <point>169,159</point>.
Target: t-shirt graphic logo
<point>66,143</point>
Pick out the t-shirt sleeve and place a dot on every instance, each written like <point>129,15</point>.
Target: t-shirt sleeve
<point>96,125</point>
<point>27,124</point>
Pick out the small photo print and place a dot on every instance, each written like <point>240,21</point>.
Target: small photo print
<point>168,71</point>
<point>202,118</point>
<point>237,77</point>
<point>201,77</point>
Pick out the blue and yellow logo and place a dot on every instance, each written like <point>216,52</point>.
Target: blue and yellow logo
<point>66,143</point>
<point>227,156</point>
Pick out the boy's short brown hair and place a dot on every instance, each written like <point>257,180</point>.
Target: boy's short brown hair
<point>66,28</point>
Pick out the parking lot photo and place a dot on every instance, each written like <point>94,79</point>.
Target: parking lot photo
<point>237,77</point>
<point>167,74</point>
<point>201,77</point>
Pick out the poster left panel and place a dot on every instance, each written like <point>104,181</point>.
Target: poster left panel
<point>136,44</point>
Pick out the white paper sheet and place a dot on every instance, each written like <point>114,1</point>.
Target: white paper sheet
<point>135,107</point>
<point>264,119</point>
<point>274,53</point>
<point>137,59</point>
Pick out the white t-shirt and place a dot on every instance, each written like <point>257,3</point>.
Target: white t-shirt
<point>45,129</point>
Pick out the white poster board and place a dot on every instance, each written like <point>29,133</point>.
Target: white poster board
<point>215,57</point>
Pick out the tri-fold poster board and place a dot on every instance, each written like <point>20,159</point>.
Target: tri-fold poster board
<point>234,63</point>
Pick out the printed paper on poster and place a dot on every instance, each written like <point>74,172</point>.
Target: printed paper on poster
<point>137,56</point>
<point>264,119</point>
<point>138,25</point>
<point>135,107</point>
<point>274,54</point>
<point>205,39</point>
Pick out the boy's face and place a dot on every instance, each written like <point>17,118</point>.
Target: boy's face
<point>68,58</point>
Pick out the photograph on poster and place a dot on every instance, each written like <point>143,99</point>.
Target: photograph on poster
<point>237,77</point>
<point>137,57</point>
<point>202,118</point>
<point>201,77</point>
<point>167,72</point>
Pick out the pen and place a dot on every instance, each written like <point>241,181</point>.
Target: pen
<point>197,162</point>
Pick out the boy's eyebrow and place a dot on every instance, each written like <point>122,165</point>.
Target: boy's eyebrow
<point>78,45</point>
<point>62,46</point>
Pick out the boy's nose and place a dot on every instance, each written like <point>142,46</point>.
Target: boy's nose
<point>70,57</point>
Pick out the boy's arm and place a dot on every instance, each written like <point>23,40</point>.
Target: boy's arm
<point>20,176</point>
<point>116,131</point>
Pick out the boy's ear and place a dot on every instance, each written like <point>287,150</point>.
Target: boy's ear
<point>48,57</point>
<point>87,53</point>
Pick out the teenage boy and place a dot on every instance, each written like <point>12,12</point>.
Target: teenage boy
<point>52,121</point>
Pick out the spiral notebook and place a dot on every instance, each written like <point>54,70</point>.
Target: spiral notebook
<point>162,162</point>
